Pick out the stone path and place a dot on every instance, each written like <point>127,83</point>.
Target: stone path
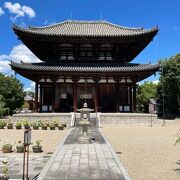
<point>84,161</point>
<point>15,164</point>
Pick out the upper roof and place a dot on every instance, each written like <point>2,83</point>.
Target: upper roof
<point>86,28</point>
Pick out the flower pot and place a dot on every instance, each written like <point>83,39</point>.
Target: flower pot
<point>10,126</point>
<point>18,127</point>
<point>44,127</point>
<point>7,149</point>
<point>52,128</point>
<point>20,149</point>
<point>64,124</point>
<point>37,149</point>
<point>26,127</point>
<point>35,127</point>
<point>60,127</point>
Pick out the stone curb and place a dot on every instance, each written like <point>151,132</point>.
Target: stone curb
<point>48,164</point>
<point>119,163</point>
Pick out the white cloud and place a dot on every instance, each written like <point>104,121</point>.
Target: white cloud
<point>4,66</point>
<point>149,81</point>
<point>22,53</point>
<point>1,11</point>
<point>19,11</point>
<point>18,53</point>
<point>29,11</point>
<point>31,87</point>
<point>155,81</point>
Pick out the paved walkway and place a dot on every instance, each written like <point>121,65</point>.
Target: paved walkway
<point>15,164</point>
<point>84,161</point>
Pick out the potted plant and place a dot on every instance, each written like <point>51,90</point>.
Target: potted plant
<point>47,123</point>
<point>20,147</point>
<point>26,124</point>
<point>44,126</point>
<point>60,126</point>
<point>35,125</point>
<point>18,125</point>
<point>64,124</point>
<point>55,123</point>
<point>5,171</point>
<point>2,124</point>
<point>7,148</point>
<point>52,126</point>
<point>10,125</point>
<point>37,148</point>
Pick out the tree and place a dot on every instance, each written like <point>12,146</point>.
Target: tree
<point>12,92</point>
<point>145,92</point>
<point>3,111</point>
<point>169,86</point>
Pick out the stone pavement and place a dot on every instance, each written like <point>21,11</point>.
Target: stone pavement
<point>15,164</point>
<point>84,161</point>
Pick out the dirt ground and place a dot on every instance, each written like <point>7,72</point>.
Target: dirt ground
<point>147,153</point>
<point>50,138</point>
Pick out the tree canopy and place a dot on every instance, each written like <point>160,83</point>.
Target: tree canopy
<point>170,85</point>
<point>145,92</point>
<point>11,92</point>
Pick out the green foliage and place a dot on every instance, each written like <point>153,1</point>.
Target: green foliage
<point>38,143</point>
<point>6,146</point>
<point>3,111</point>
<point>11,92</point>
<point>5,168</point>
<point>18,124</point>
<point>26,123</point>
<point>170,85</point>
<point>2,124</point>
<point>145,92</point>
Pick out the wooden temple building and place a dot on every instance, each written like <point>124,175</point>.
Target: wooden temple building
<point>85,61</point>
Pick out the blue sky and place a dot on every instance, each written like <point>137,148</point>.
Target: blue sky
<point>130,13</point>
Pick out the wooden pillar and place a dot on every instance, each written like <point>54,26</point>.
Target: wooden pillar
<point>96,95</point>
<point>130,94</point>
<point>75,95</point>
<point>40,99</point>
<point>36,97</point>
<point>134,98</point>
<point>117,94</point>
<point>53,96</point>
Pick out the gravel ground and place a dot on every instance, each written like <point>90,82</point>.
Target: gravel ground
<point>50,138</point>
<point>148,153</point>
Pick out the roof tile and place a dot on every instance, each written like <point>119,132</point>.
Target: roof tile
<point>86,28</point>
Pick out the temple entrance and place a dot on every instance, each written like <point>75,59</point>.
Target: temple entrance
<point>85,95</point>
<point>107,97</point>
<point>64,98</point>
<point>46,98</point>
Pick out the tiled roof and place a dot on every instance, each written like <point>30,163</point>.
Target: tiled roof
<point>86,28</point>
<point>85,67</point>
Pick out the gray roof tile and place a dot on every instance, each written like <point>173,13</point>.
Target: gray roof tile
<point>85,67</point>
<point>86,28</point>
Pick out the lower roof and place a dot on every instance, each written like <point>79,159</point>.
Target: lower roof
<point>85,68</point>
